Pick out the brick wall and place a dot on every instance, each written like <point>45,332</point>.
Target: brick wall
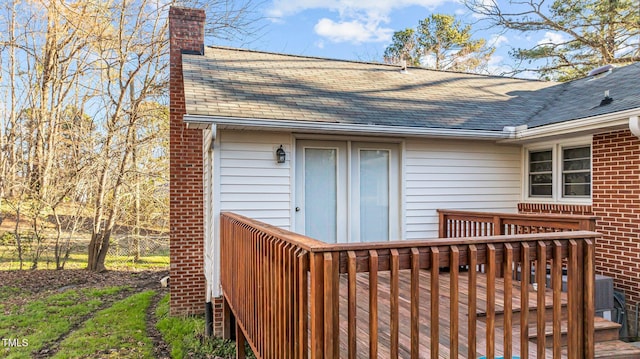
<point>186,33</point>
<point>616,203</point>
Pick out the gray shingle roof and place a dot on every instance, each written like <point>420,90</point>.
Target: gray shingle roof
<point>581,98</point>
<point>247,84</point>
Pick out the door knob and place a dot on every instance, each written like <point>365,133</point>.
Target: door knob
<point>297,209</point>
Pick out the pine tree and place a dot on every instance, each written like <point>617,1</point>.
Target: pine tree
<point>440,42</point>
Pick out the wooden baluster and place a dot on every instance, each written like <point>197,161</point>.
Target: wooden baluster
<point>541,280</point>
<point>303,309</point>
<point>556,284</point>
<point>262,299</point>
<point>393,303</point>
<point>331,305</point>
<point>589,299</point>
<point>270,350</point>
<point>573,300</point>
<point>454,263</point>
<point>289,295</point>
<point>373,304</point>
<point>351,299</point>
<point>491,300</point>
<point>435,302</point>
<point>473,262</point>
<point>508,299</point>
<point>415,303</point>
<point>525,277</point>
<point>317,305</point>
<point>278,299</point>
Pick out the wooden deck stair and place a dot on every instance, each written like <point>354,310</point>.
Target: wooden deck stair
<point>606,333</point>
<point>615,349</point>
<point>605,330</point>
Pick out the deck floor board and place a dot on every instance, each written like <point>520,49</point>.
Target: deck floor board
<point>404,309</point>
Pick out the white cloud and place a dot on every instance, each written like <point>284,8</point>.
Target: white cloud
<point>319,44</point>
<point>357,21</point>
<point>483,4</point>
<point>552,38</point>
<point>497,40</point>
<point>497,66</point>
<point>281,8</point>
<point>352,31</point>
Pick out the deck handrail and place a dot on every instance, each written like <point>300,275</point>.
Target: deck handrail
<point>284,289</point>
<point>455,223</point>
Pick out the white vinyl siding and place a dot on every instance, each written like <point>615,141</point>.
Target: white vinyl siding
<point>463,175</point>
<point>251,182</point>
<point>451,174</point>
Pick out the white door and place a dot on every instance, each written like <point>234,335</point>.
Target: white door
<point>347,191</point>
<point>321,183</point>
<point>374,192</point>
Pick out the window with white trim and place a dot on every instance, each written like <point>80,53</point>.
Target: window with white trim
<point>576,172</point>
<point>541,173</point>
<point>558,172</point>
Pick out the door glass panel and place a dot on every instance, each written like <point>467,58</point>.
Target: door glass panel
<point>374,195</point>
<point>320,193</point>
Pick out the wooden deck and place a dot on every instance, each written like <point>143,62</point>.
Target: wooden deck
<point>296,297</point>
<point>384,332</point>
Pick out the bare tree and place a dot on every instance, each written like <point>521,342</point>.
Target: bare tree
<point>586,33</point>
<point>84,115</point>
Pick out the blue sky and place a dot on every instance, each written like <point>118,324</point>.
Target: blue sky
<point>361,29</point>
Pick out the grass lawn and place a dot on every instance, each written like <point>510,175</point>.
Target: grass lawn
<point>68,314</point>
<point>115,332</point>
<point>186,335</point>
<point>43,321</point>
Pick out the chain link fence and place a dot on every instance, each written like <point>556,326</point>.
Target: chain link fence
<point>128,249</point>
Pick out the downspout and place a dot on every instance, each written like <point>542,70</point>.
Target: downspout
<point>208,149</point>
<point>634,125</point>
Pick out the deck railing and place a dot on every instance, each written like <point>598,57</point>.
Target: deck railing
<point>457,224</point>
<point>295,297</point>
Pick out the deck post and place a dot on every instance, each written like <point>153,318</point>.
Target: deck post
<point>442,225</point>
<point>497,226</point>
<point>588,224</point>
<point>226,319</point>
<point>240,342</point>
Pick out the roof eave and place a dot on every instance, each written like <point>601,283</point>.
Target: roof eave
<point>202,122</point>
<point>579,127</point>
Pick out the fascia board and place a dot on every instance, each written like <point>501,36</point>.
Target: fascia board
<point>200,121</point>
<point>616,120</point>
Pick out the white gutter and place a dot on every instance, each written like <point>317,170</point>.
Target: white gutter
<point>199,121</point>
<point>616,120</point>
<point>634,125</point>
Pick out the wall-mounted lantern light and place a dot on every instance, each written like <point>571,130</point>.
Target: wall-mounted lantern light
<point>281,156</point>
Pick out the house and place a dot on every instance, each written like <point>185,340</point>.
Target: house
<point>347,152</point>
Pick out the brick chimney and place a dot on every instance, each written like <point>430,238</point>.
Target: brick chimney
<point>186,211</point>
